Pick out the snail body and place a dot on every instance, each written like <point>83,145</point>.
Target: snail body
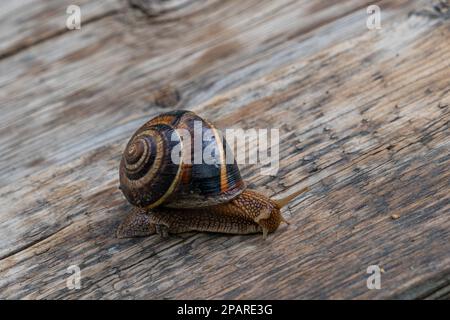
<point>184,195</point>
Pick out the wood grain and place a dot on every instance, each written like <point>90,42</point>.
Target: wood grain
<point>363,118</point>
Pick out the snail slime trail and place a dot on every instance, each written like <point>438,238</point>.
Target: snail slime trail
<point>201,311</point>
<point>170,197</point>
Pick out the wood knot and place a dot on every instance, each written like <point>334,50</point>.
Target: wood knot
<point>153,8</point>
<point>176,9</point>
<point>166,97</point>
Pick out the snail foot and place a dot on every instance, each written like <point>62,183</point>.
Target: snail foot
<point>136,224</point>
<point>162,230</point>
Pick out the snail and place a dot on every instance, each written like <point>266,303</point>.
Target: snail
<point>170,197</point>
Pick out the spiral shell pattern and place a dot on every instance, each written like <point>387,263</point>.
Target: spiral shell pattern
<point>147,174</point>
<point>149,178</point>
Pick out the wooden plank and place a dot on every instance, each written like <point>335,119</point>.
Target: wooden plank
<point>363,117</point>
<point>29,22</point>
<point>120,68</point>
<point>437,287</point>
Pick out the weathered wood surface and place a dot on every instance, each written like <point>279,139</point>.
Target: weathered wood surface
<point>363,118</point>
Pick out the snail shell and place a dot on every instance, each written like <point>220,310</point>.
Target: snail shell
<point>149,178</point>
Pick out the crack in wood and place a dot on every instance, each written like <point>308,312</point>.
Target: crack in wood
<point>436,287</point>
<point>153,8</point>
<point>32,243</point>
<point>157,14</point>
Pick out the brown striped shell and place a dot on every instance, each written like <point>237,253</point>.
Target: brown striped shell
<point>149,178</point>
